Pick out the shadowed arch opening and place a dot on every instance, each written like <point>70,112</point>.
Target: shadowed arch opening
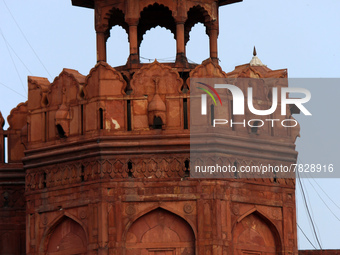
<point>196,14</point>
<point>117,17</point>
<point>119,29</point>
<point>255,234</point>
<point>197,47</point>
<point>196,34</point>
<point>153,16</point>
<point>160,232</point>
<point>120,41</point>
<point>158,43</point>
<point>66,237</point>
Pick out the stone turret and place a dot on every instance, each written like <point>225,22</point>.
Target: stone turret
<point>106,156</point>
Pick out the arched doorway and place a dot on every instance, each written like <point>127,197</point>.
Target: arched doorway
<point>254,235</point>
<point>67,238</point>
<point>160,232</point>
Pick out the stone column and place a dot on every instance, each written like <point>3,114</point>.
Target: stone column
<point>103,229</point>
<point>180,43</point>
<point>134,56</point>
<point>213,34</point>
<point>101,44</point>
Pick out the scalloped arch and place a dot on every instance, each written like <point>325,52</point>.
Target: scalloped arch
<point>103,72</point>
<point>196,14</point>
<point>163,3</point>
<point>116,16</point>
<point>68,79</point>
<point>168,81</point>
<point>191,5</point>
<point>208,69</point>
<point>17,118</point>
<point>147,19</point>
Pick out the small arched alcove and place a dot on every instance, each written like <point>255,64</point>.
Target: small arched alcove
<point>66,237</point>
<point>160,232</point>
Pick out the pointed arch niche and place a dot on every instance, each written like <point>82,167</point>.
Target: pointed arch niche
<point>160,232</point>
<point>254,234</point>
<point>66,237</point>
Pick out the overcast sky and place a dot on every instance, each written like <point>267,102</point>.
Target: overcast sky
<point>302,36</point>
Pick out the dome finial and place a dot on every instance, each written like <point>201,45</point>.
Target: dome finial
<point>255,61</point>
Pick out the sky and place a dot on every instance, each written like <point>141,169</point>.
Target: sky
<point>40,38</point>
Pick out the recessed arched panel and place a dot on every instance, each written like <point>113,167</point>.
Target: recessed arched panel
<point>160,232</point>
<point>67,237</point>
<point>254,235</point>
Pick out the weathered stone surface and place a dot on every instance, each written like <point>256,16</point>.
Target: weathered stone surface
<point>107,161</point>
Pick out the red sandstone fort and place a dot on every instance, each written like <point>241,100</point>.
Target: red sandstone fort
<point>98,163</point>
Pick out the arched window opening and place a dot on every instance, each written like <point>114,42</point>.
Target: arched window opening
<point>196,38</point>
<point>118,28</point>
<point>157,123</point>
<point>158,43</point>
<point>117,46</point>
<point>44,101</point>
<point>61,131</point>
<point>197,48</point>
